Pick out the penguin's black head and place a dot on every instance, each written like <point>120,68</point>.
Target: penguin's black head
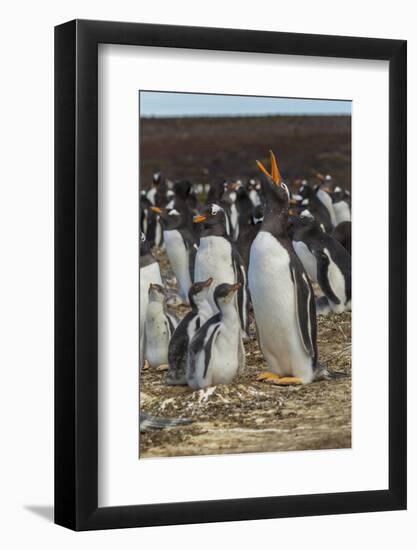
<point>156,293</point>
<point>144,246</point>
<point>224,294</point>
<point>325,182</point>
<point>339,194</point>
<point>156,178</point>
<point>304,190</point>
<point>251,184</point>
<point>199,291</point>
<point>170,218</point>
<point>213,218</point>
<point>299,224</point>
<point>275,190</point>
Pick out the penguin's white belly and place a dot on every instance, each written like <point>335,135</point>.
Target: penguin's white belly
<point>157,336</point>
<point>337,283</point>
<point>327,201</point>
<point>307,259</point>
<point>223,363</point>
<point>273,298</point>
<point>178,257</point>
<point>254,197</point>
<point>149,274</point>
<point>234,221</point>
<point>214,259</point>
<point>342,212</point>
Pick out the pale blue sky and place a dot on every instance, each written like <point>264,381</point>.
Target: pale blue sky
<point>165,104</point>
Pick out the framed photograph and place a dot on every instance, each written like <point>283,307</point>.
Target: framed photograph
<point>230,255</point>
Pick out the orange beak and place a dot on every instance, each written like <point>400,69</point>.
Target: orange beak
<point>293,202</point>
<point>198,219</point>
<point>156,210</point>
<point>274,175</point>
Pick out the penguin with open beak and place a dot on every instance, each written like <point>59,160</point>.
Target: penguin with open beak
<point>282,296</point>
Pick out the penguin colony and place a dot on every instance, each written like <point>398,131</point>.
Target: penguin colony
<point>249,249</point>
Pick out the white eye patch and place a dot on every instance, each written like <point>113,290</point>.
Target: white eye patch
<point>173,213</point>
<point>142,237</point>
<point>215,208</point>
<point>306,214</point>
<point>170,205</point>
<point>337,189</point>
<point>297,197</point>
<point>302,188</point>
<point>305,202</point>
<point>285,189</point>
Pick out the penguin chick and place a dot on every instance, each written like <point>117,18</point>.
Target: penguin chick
<point>159,327</point>
<point>200,312</point>
<point>149,272</point>
<point>216,352</point>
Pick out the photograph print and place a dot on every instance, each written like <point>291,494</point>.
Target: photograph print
<point>244,273</point>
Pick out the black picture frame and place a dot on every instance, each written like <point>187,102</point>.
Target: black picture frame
<point>76,272</point>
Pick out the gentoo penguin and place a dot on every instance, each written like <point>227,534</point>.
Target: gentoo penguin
<point>156,196</point>
<point>253,192</point>
<point>282,296</point>
<point>341,205</point>
<point>148,422</point>
<point>323,193</point>
<point>325,260</point>
<point>149,272</point>
<point>216,352</point>
<point>200,312</point>
<point>180,246</point>
<point>159,327</point>
<point>307,199</point>
<point>217,257</point>
<point>185,202</point>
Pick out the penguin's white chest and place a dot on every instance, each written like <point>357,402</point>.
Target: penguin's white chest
<point>327,201</point>
<point>342,212</point>
<point>307,259</point>
<point>337,283</point>
<point>224,362</point>
<point>274,303</point>
<point>214,259</point>
<point>254,197</point>
<point>178,257</point>
<point>148,274</point>
<point>157,335</point>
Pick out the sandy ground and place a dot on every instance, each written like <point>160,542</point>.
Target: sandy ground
<point>251,416</point>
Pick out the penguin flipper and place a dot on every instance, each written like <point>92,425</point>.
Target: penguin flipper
<point>305,311</point>
<point>242,293</point>
<point>322,275</point>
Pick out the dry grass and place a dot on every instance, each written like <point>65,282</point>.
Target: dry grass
<point>251,416</point>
